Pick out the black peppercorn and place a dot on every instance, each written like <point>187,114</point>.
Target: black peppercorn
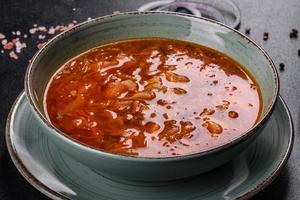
<point>294,33</point>
<point>266,36</point>
<point>247,31</point>
<point>281,66</point>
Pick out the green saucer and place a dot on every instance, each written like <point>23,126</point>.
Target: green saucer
<point>60,177</point>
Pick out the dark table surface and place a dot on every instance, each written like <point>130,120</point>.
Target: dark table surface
<point>277,17</point>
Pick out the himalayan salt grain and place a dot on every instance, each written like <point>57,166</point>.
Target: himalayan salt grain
<point>41,37</point>
<point>20,46</point>
<point>2,36</point>
<point>70,25</point>
<point>32,30</point>
<point>15,40</point>
<point>42,28</point>
<point>13,55</point>
<point>4,42</point>
<point>40,45</point>
<point>51,30</point>
<point>116,12</point>
<point>8,46</point>
<point>57,27</point>
<point>62,28</point>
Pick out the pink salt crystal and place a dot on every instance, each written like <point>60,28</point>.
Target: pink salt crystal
<point>40,45</point>
<point>2,36</point>
<point>41,37</point>
<point>51,30</point>
<point>20,46</point>
<point>4,42</point>
<point>57,27</point>
<point>70,25</point>
<point>42,28</point>
<point>64,28</point>
<point>8,46</point>
<point>13,55</point>
<point>116,12</point>
<point>32,30</point>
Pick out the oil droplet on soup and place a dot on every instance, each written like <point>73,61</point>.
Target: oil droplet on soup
<point>153,98</point>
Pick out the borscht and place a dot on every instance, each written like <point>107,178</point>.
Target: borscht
<point>153,97</point>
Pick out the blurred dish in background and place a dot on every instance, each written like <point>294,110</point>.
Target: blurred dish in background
<point>224,11</point>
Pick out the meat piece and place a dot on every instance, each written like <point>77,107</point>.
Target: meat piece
<point>172,77</point>
<point>151,127</point>
<point>207,111</point>
<point>153,83</point>
<point>178,91</point>
<point>130,85</point>
<point>114,90</point>
<point>122,105</point>
<point>145,95</point>
<point>136,106</point>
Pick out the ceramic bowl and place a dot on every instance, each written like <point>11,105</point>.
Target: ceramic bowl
<point>139,25</point>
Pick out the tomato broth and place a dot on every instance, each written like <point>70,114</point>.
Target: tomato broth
<point>153,98</point>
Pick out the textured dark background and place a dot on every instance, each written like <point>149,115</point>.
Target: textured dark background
<point>277,17</point>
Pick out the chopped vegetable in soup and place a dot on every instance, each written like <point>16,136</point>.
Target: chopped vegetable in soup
<point>153,98</point>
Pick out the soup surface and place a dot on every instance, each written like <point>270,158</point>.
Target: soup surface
<point>152,98</point>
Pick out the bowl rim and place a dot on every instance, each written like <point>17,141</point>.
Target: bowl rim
<point>224,146</point>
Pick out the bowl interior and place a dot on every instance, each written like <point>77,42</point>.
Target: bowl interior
<point>141,25</point>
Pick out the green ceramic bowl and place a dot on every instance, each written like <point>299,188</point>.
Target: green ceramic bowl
<point>139,25</point>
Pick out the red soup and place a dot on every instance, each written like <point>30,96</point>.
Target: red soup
<point>153,98</point>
